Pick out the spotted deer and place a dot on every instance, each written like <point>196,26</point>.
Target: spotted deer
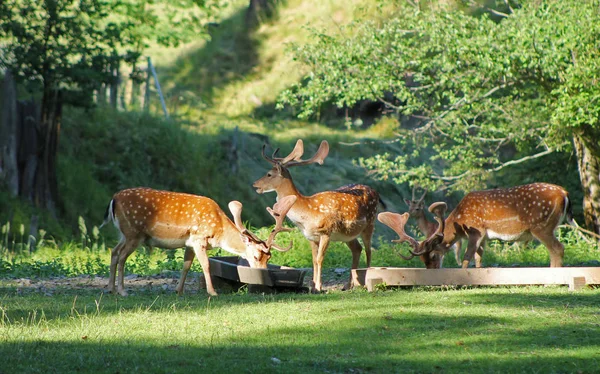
<point>416,210</point>
<point>339,215</point>
<point>521,213</point>
<point>173,220</point>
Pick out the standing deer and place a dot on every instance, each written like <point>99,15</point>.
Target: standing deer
<point>416,210</point>
<point>340,215</point>
<point>173,220</point>
<point>519,213</point>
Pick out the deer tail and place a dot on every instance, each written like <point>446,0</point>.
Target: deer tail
<point>109,215</point>
<point>569,211</point>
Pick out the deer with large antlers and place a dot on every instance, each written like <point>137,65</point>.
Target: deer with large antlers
<point>520,213</point>
<point>173,220</point>
<point>422,249</point>
<point>416,210</point>
<point>340,215</point>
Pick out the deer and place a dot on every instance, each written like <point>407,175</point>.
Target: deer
<point>173,220</point>
<point>340,215</point>
<point>421,249</point>
<point>416,210</point>
<point>520,213</point>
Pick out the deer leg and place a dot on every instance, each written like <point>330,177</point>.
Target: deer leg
<point>124,253</point>
<point>457,247</point>
<point>188,258</point>
<point>555,247</point>
<point>475,240</point>
<point>356,248</point>
<point>200,251</point>
<point>318,263</point>
<point>366,236</point>
<point>114,258</point>
<point>478,256</point>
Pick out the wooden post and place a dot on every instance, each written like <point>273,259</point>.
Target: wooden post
<point>371,283</point>
<point>160,94</point>
<point>576,283</point>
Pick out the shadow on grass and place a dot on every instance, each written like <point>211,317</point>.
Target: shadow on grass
<point>230,55</point>
<point>407,342</point>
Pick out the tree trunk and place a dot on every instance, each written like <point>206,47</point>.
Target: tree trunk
<point>9,136</point>
<point>587,148</point>
<point>46,187</point>
<point>27,156</point>
<point>258,11</point>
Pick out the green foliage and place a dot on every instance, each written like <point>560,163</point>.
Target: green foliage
<point>75,46</point>
<point>480,93</point>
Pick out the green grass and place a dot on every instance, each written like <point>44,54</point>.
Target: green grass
<point>536,330</point>
<point>91,255</point>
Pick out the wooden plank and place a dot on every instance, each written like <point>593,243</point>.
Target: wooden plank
<point>482,276</point>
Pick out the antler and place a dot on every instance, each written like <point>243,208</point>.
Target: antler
<point>280,209</point>
<point>438,209</point>
<point>318,158</point>
<point>235,207</point>
<point>414,190</point>
<point>293,159</point>
<point>296,153</point>
<point>422,196</point>
<point>396,222</point>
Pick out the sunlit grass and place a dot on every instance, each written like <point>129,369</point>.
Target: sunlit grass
<point>527,329</point>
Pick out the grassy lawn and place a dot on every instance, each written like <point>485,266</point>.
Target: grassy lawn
<point>531,329</point>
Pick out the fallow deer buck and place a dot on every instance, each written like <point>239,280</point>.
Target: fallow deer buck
<point>173,220</point>
<point>397,222</point>
<point>416,210</point>
<point>340,215</point>
<point>520,213</point>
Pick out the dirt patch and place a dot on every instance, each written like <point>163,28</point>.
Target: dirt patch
<point>333,279</point>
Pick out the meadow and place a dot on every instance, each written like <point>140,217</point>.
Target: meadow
<point>445,330</point>
<point>57,317</point>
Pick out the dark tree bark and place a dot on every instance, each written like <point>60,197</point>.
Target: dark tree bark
<point>587,147</point>
<point>45,193</point>
<point>28,147</point>
<point>260,10</point>
<point>9,172</point>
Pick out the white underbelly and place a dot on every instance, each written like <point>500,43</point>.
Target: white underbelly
<point>338,237</point>
<point>521,236</point>
<point>166,243</point>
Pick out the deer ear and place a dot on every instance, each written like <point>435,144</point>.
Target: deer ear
<point>407,202</point>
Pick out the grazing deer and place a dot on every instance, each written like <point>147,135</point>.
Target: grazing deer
<point>416,210</point>
<point>340,215</point>
<point>173,220</point>
<point>422,249</point>
<point>519,213</point>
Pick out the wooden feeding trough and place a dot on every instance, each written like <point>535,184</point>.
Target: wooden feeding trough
<point>234,272</point>
<point>575,277</point>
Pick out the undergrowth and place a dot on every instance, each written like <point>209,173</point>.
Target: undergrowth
<point>90,255</point>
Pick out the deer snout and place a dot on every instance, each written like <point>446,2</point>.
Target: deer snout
<point>258,188</point>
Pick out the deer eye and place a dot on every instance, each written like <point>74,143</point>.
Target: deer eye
<point>269,175</point>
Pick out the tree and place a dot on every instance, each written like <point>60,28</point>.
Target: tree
<point>61,50</point>
<point>472,86</point>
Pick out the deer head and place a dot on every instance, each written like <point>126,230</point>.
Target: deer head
<point>425,249</point>
<point>258,251</point>
<point>278,175</point>
<point>416,207</point>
